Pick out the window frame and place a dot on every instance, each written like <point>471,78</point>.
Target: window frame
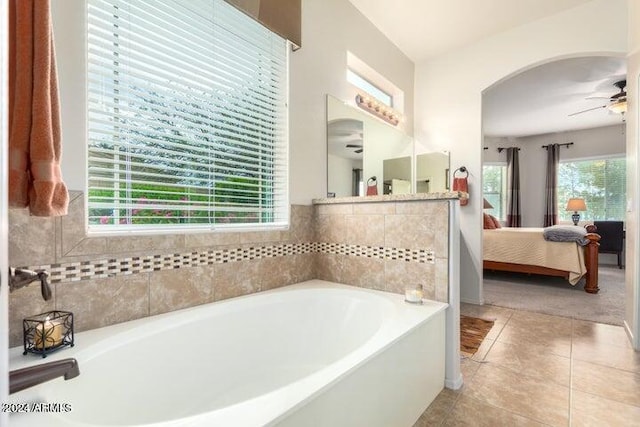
<point>503,190</point>
<point>282,223</point>
<point>564,216</point>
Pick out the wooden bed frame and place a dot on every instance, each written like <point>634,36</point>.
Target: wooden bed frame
<point>590,261</point>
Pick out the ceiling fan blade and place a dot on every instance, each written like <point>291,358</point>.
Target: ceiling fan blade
<point>588,109</point>
<point>354,145</point>
<point>598,97</point>
<point>358,151</point>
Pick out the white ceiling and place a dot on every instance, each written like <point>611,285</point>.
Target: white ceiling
<point>534,102</point>
<point>540,100</point>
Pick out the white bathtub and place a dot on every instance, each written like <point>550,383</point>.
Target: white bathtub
<point>315,353</point>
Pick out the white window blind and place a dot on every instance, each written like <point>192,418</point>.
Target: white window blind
<point>187,117</point>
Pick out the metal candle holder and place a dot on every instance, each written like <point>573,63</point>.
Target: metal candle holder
<point>47,332</point>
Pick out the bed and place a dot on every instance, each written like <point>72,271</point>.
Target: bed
<point>524,250</point>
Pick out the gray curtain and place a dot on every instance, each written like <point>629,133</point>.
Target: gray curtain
<point>551,187</point>
<point>514,217</point>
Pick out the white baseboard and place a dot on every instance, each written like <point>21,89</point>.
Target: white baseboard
<point>472,301</point>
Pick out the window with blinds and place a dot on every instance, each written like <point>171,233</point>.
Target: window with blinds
<point>187,117</point>
<point>600,182</point>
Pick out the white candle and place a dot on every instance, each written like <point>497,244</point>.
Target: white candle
<point>48,334</point>
<point>413,294</point>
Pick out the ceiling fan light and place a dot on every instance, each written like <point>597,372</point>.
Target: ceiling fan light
<point>618,107</point>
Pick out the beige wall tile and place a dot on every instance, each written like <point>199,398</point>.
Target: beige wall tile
<point>85,249</point>
<point>374,208</point>
<point>234,279</point>
<point>156,244</point>
<point>302,225</point>
<point>31,239</point>
<point>272,236</point>
<point>171,290</point>
<point>282,271</point>
<point>331,229</point>
<point>72,230</point>
<point>329,267</point>
<point>366,230</point>
<point>422,207</point>
<point>399,274</point>
<point>364,272</point>
<point>210,239</point>
<point>26,302</point>
<point>101,302</point>
<point>409,231</point>
<point>276,272</point>
<point>335,209</point>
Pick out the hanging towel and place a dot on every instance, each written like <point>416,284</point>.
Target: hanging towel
<point>372,186</point>
<point>462,185</point>
<point>34,113</point>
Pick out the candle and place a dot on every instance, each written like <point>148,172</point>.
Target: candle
<point>48,334</point>
<point>413,294</point>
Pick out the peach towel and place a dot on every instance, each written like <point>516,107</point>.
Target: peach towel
<point>462,185</point>
<point>34,113</point>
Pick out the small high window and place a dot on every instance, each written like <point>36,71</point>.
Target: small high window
<point>367,87</point>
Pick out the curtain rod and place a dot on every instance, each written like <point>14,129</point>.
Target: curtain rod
<point>546,147</point>
<point>500,149</point>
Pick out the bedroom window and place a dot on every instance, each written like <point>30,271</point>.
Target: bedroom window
<point>494,189</point>
<point>187,118</point>
<point>601,182</point>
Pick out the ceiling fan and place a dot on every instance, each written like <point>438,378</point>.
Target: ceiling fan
<point>358,148</point>
<point>617,102</point>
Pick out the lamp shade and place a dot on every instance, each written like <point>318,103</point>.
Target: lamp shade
<point>576,205</point>
<point>486,204</point>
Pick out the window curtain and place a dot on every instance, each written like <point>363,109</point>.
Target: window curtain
<point>551,187</point>
<point>514,218</point>
<point>356,183</point>
<point>34,113</point>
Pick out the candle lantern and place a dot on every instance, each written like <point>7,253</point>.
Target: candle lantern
<point>47,332</point>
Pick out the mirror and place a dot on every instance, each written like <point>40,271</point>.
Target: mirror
<point>357,147</point>
<point>432,173</point>
<point>360,146</point>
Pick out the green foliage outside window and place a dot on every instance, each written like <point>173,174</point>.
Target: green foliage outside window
<point>601,182</point>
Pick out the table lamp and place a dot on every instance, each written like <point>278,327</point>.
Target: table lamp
<point>576,205</point>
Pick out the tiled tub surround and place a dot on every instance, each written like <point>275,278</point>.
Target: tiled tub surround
<point>417,223</point>
<point>107,280</point>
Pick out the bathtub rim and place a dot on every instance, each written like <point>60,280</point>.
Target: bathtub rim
<point>315,383</point>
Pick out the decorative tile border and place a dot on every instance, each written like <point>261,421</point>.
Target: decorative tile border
<point>96,269</point>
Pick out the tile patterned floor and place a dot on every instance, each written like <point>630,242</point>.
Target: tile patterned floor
<point>540,370</point>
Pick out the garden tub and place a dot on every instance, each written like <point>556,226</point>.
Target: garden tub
<point>315,353</point>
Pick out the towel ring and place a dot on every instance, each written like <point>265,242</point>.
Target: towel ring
<point>463,170</point>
